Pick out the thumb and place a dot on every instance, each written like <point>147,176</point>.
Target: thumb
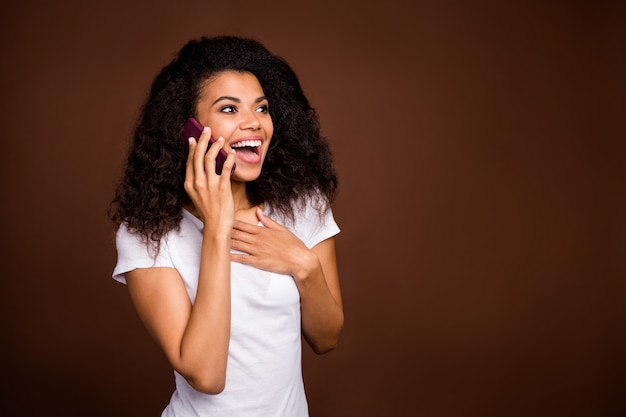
<point>266,221</point>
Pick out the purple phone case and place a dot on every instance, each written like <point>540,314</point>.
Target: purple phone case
<point>193,128</point>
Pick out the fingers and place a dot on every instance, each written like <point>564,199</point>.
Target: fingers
<point>244,240</point>
<point>210,157</point>
<point>246,227</point>
<point>227,168</point>
<point>189,167</point>
<point>199,158</point>
<point>203,152</point>
<point>195,175</point>
<point>244,248</point>
<point>197,147</point>
<point>268,221</point>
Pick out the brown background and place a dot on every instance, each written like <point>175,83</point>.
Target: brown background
<point>480,152</point>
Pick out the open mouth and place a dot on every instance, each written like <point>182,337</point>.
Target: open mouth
<point>247,147</point>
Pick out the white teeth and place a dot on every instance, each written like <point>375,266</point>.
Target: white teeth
<point>246,143</point>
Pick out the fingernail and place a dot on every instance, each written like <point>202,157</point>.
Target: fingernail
<point>190,139</point>
<point>205,129</point>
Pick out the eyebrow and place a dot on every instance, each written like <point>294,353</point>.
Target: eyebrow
<point>236,100</point>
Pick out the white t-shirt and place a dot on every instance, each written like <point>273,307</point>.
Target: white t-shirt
<point>264,372</point>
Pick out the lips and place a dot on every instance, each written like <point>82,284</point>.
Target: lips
<point>248,149</point>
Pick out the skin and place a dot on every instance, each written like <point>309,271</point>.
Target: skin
<point>195,338</point>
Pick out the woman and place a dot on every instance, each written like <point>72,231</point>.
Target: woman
<point>227,271</point>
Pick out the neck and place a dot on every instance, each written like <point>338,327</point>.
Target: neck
<point>240,199</point>
<point>240,196</point>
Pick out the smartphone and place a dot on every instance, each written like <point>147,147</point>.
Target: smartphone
<point>193,128</point>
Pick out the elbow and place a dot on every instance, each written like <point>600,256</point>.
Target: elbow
<point>330,342</point>
<point>213,389</point>
<point>204,374</point>
<point>208,384</point>
<point>208,387</point>
<point>321,349</point>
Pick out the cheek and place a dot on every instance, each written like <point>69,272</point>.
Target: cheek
<point>220,127</point>
<point>269,128</point>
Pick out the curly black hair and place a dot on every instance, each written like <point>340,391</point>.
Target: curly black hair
<point>298,167</point>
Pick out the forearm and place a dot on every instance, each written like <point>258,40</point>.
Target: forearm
<point>204,346</point>
<point>322,314</point>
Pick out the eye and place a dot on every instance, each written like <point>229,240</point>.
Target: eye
<point>262,109</point>
<point>228,109</point>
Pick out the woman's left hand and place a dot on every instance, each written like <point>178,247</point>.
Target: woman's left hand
<point>272,248</point>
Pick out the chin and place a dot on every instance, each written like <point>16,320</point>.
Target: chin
<point>246,175</point>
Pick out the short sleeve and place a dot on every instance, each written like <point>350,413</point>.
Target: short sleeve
<point>133,253</point>
<point>315,227</point>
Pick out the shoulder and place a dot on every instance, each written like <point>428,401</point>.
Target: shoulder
<point>135,251</point>
<point>128,239</point>
<point>313,221</point>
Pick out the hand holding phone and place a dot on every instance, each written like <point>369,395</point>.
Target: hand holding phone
<point>193,128</point>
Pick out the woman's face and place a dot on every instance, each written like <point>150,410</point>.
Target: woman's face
<point>234,106</point>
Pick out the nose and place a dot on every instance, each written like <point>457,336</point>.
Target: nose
<point>250,121</point>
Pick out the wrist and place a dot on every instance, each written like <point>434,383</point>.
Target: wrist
<point>307,267</point>
<point>217,236</point>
